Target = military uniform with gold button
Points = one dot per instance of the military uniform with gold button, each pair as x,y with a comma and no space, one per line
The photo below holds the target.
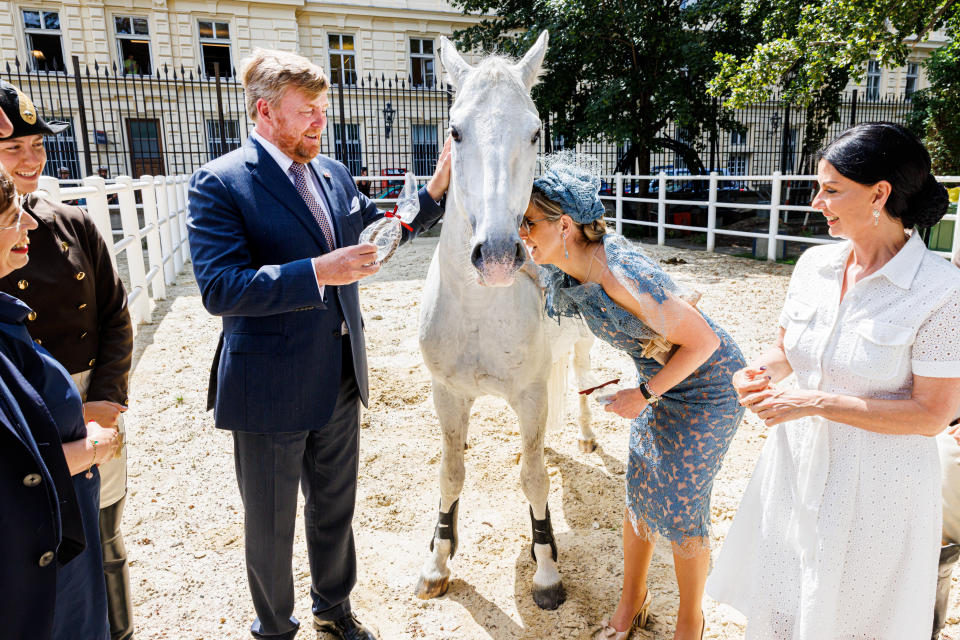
79,315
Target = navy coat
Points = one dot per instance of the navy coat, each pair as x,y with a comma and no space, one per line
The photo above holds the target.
39,511
252,238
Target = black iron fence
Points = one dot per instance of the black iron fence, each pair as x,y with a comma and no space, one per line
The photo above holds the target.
175,120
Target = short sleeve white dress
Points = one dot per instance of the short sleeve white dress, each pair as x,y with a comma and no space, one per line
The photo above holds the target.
838,533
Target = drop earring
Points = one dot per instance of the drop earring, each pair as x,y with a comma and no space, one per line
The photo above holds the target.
566,254
876,217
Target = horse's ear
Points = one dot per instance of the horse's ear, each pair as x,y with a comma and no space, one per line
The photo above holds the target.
529,67
453,62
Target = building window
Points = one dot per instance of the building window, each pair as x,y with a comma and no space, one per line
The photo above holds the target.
146,150
343,65
62,154
873,80
913,76
215,144
215,48
738,138
42,29
425,148
738,164
133,44
352,158
421,62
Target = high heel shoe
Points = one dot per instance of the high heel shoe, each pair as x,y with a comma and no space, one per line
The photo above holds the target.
607,632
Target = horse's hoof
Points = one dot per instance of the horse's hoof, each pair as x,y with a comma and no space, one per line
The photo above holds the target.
588,446
427,589
550,597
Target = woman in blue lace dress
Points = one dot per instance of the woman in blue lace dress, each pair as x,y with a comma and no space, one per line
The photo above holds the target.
685,411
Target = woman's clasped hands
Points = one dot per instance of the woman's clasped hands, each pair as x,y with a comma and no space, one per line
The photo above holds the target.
103,443
760,395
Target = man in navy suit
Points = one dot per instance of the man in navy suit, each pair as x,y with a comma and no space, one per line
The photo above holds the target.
273,235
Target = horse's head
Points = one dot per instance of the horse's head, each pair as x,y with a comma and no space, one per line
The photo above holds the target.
496,131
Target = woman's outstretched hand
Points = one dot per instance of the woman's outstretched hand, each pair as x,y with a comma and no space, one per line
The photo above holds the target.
750,380
774,406
627,403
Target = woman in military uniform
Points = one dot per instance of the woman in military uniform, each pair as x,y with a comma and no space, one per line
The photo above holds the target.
79,315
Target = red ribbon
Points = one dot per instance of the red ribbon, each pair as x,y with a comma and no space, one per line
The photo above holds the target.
587,392
393,214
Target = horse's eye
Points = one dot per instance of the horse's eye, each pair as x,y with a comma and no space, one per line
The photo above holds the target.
454,133
536,137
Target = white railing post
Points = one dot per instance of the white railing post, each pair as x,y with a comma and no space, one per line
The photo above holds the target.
712,213
51,185
138,296
154,247
174,220
662,208
163,219
99,212
774,229
182,218
618,185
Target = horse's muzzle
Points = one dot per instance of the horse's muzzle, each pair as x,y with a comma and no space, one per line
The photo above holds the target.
497,261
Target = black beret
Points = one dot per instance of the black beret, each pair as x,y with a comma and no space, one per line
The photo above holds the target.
23,115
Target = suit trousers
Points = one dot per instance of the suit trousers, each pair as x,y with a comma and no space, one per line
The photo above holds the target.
324,462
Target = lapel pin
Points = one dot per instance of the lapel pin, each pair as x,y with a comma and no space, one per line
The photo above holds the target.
326,174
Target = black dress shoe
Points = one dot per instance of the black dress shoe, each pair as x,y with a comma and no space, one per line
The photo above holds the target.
345,628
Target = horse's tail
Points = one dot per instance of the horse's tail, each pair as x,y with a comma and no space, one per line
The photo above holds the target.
557,391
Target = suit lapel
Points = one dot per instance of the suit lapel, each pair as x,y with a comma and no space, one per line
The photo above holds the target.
268,174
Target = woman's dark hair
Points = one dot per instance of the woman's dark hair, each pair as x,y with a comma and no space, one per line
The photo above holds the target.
875,151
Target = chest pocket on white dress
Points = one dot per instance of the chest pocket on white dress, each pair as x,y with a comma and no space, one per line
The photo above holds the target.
799,314
879,349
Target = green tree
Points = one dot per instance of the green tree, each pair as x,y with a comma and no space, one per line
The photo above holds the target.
619,70
936,114
809,48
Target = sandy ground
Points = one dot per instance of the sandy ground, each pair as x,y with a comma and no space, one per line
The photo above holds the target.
184,518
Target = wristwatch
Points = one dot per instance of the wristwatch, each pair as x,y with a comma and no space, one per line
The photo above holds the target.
650,396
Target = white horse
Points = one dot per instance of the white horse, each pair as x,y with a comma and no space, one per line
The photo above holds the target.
482,326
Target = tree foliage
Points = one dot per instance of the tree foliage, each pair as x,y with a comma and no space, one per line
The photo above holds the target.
936,114
622,69
810,48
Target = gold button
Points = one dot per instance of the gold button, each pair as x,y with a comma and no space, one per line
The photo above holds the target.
37,340
32,480
32,316
81,275
23,284
63,246
83,335
46,559
92,361
81,306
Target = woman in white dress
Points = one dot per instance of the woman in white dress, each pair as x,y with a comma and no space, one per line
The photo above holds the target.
838,533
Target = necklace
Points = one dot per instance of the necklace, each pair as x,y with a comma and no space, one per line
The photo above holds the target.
593,259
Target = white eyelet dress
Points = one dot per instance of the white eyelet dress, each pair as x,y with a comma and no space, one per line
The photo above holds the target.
838,533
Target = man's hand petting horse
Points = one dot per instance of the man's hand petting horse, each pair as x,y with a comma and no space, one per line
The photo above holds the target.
347,264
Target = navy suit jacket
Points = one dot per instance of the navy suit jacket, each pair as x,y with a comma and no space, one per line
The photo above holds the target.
39,511
252,238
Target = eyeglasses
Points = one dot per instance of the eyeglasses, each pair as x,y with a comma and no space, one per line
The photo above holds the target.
526,224
16,225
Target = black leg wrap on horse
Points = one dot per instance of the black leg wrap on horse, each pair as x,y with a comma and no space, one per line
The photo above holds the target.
543,533
447,527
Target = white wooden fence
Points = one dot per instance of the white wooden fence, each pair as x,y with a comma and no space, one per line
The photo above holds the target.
163,208
770,237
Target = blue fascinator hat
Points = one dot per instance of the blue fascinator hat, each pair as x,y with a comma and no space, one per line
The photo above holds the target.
573,182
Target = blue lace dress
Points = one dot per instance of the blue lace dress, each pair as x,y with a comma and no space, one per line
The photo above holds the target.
676,445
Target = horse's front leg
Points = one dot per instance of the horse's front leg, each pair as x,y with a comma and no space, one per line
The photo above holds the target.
581,366
531,407
453,411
